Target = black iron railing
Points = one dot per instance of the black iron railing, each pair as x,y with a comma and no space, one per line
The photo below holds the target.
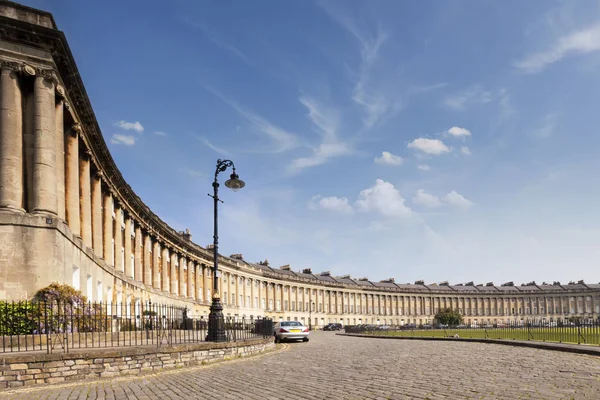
568,330
62,326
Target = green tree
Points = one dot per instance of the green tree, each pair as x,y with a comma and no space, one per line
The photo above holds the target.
449,316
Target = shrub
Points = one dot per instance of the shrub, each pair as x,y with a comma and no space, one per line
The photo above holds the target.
17,318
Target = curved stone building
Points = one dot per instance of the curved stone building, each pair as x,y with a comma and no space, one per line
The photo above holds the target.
67,215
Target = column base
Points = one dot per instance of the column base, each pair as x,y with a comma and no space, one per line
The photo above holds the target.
45,213
12,209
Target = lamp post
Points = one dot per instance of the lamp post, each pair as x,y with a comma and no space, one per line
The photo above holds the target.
216,322
312,303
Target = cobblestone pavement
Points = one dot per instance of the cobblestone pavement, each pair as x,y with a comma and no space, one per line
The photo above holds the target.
338,367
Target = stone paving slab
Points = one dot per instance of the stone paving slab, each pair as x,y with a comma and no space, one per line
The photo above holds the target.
342,367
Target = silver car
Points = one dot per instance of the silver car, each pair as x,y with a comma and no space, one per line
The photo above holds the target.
290,330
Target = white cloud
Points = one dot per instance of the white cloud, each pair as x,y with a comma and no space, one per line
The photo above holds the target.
456,199
130,126
425,199
383,198
465,150
474,95
459,132
579,42
160,133
424,167
429,146
337,204
123,139
389,159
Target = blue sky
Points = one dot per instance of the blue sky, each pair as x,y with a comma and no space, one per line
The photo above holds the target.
435,140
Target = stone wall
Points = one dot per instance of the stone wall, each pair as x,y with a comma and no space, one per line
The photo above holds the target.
18,370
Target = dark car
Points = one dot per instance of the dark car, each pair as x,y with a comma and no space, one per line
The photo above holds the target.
333,327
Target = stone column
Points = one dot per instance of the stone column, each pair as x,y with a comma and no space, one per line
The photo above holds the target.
72,180
11,143
44,148
227,298
267,288
174,283
108,229
182,290
204,284
190,280
85,199
137,257
97,213
198,276
237,292
165,269
147,259
156,265
118,238
60,156
128,227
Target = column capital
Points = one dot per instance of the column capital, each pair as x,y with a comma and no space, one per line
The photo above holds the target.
75,129
60,90
12,66
99,175
47,74
87,154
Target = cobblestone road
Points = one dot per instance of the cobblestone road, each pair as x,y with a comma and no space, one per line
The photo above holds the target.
338,367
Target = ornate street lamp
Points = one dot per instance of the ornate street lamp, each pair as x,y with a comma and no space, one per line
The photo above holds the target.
312,303
216,321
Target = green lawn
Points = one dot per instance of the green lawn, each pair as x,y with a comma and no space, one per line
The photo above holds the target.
583,335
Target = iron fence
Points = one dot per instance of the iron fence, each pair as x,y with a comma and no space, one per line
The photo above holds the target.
63,326
569,330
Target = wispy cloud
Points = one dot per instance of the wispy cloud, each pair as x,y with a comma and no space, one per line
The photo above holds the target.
126,140
193,173
130,126
204,28
326,121
474,95
424,167
578,42
214,148
370,40
281,139
389,159
465,150
546,127
506,108
160,133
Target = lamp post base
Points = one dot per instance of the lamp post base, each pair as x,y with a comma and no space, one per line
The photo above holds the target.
216,322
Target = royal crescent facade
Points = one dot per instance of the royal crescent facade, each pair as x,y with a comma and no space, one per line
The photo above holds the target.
67,215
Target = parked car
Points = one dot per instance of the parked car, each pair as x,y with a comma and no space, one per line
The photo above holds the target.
333,327
290,330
